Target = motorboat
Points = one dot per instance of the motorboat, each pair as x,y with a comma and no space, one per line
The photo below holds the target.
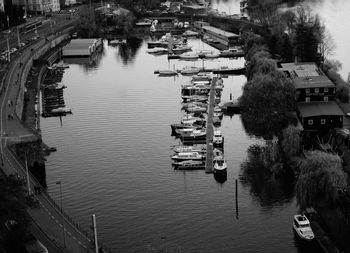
61,110
218,139
196,134
166,72
302,227
194,148
189,90
190,33
202,77
189,165
220,165
183,156
195,98
181,49
201,104
217,112
208,54
157,50
117,42
190,70
216,121
231,106
177,128
189,56
196,109
232,52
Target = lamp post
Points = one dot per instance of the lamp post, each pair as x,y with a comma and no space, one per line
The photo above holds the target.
63,230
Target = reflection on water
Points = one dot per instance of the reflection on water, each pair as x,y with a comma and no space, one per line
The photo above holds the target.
127,52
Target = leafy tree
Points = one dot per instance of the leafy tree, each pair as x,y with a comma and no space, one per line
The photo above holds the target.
265,105
321,176
291,142
261,63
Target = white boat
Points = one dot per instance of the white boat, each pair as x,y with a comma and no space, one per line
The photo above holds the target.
188,165
181,49
190,33
208,54
195,148
202,77
117,42
218,140
61,110
196,134
183,156
193,98
190,70
220,165
157,50
232,52
189,56
60,65
196,109
302,227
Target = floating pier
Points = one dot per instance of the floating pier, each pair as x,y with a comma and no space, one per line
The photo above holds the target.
226,55
210,129
222,71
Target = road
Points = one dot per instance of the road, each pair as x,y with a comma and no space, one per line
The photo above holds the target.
48,217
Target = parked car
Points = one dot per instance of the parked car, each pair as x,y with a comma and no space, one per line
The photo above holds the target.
33,245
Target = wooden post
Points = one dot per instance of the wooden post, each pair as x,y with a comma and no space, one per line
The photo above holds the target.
236,199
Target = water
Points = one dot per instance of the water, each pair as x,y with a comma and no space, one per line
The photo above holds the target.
334,13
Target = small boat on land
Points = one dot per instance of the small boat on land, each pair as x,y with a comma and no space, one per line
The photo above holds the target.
220,165
183,156
302,227
189,165
189,56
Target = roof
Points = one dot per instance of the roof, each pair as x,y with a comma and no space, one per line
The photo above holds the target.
301,69
319,109
313,82
219,31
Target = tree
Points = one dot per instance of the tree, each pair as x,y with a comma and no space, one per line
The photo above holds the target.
266,103
321,176
261,63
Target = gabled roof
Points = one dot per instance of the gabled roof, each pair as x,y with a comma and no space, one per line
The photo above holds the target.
301,69
312,82
320,109
219,31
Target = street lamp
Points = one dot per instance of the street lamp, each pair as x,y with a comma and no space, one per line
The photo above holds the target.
63,230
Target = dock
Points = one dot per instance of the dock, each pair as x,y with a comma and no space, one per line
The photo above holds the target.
221,71
210,129
227,55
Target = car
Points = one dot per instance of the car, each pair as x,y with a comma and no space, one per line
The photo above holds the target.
33,245
348,114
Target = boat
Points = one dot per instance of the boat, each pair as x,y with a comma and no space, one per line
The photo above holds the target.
190,70
217,112
157,50
195,98
177,128
208,54
59,65
189,165
220,165
302,227
195,134
196,109
189,56
216,121
190,33
181,49
183,156
166,72
202,77
61,110
117,42
232,52
144,22
229,71
218,139
231,106
194,148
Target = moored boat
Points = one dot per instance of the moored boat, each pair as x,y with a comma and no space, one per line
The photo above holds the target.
189,56
183,156
218,139
166,72
189,165
157,50
220,165
194,148
190,70
302,227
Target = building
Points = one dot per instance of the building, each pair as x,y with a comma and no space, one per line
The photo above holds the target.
39,6
315,95
197,25
194,9
220,36
320,115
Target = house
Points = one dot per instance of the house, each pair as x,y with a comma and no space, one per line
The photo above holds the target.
218,35
315,94
320,116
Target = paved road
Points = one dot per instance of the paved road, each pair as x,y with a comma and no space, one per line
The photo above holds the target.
48,216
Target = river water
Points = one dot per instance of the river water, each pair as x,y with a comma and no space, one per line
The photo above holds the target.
113,160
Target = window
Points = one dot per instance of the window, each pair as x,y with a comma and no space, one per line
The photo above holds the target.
316,90
325,90
310,122
325,99
323,121
307,99
307,91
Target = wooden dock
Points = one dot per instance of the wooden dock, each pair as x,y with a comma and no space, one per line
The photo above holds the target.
210,128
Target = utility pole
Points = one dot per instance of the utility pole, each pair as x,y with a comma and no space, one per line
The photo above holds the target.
95,232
